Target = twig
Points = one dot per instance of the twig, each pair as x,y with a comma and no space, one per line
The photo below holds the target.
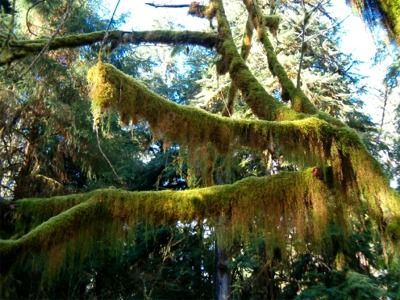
307,17
378,137
104,155
325,30
108,27
26,17
168,5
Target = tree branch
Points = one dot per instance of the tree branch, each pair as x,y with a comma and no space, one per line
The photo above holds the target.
168,5
242,201
245,51
307,141
299,100
64,18
22,48
192,126
263,105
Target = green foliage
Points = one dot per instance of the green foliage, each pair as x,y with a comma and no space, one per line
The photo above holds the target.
159,262
297,234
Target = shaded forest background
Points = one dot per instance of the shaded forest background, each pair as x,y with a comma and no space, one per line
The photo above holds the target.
201,225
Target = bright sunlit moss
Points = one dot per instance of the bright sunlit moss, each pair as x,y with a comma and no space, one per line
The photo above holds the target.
308,141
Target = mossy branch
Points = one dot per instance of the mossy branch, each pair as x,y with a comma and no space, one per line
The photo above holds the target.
378,12
113,90
299,100
247,204
307,141
297,199
391,13
17,49
245,52
263,105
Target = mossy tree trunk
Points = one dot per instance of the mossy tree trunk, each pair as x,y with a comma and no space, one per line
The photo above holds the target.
349,185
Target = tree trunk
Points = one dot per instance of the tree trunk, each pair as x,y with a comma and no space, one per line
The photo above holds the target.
23,181
222,274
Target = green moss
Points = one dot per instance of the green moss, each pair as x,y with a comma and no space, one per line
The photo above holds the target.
393,230
391,12
272,22
22,48
285,194
251,206
112,90
307,141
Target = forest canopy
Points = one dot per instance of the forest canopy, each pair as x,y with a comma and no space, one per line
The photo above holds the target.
230,162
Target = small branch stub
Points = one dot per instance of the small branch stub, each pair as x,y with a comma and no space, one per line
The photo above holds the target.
202,11
317,173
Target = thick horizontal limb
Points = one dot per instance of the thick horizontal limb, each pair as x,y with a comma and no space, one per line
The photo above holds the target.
112,89
21,48
247,204
255,204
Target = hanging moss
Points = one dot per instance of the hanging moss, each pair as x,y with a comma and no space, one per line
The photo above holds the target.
40,210
272,22
393,229
112,90
297,199
202,11
247,205
308,141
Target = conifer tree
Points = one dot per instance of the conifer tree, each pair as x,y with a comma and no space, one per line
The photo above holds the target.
337,192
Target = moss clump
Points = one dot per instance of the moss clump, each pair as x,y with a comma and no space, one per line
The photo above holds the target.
272,22
202,11
393,230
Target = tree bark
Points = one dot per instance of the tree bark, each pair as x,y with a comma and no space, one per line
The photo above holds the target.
222,274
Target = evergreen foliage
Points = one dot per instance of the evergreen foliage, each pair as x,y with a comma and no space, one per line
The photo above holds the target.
115,186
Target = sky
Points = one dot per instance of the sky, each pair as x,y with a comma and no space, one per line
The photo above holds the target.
143,16
356,40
